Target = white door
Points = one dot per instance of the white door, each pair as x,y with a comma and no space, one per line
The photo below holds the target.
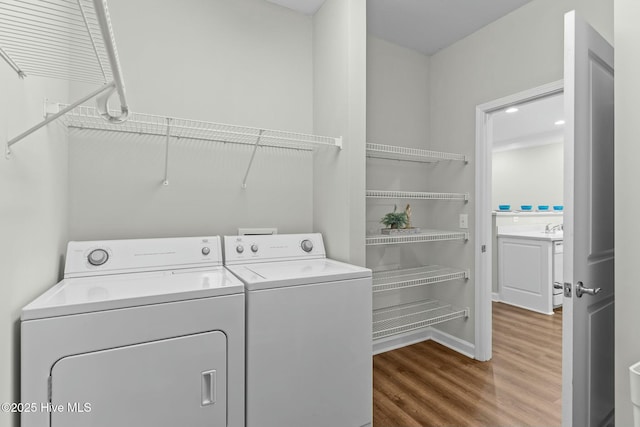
587,367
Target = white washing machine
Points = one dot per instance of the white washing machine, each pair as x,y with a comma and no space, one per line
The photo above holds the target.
308,332
140,333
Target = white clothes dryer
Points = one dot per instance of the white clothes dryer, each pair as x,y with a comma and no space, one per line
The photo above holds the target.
140,333
309,332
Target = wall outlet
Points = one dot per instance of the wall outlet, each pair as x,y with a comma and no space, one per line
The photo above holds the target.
464,221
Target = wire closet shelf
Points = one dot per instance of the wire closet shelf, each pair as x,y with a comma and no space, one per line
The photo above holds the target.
84,117
409,317
393,152
89,118
390,280
424,236
63,39
416,195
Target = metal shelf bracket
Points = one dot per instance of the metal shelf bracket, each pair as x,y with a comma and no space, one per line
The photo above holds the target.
51,117
253,155
165,182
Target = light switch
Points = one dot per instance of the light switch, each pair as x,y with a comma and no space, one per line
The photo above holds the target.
464,221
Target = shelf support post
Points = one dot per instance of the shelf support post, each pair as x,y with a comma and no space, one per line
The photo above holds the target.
253,155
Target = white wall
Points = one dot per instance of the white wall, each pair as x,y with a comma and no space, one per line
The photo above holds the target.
33,208
397,95
246,62
517,52
339,55
528,176
627,203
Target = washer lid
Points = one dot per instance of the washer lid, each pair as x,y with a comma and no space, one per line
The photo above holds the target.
294,273
89,294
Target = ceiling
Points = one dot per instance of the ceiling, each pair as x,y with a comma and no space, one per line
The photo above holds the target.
423,25
533,124
431,25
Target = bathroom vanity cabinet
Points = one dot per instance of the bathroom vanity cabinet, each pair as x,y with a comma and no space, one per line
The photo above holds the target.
529,265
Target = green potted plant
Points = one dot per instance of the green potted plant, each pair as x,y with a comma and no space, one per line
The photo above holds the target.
395,220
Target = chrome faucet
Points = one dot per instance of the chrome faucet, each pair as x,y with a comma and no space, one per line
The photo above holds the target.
550,228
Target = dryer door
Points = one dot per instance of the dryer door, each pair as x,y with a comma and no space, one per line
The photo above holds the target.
171,382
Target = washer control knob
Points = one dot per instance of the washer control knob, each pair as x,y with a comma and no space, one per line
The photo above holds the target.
206,251
239,249
98,257
306,245
254,248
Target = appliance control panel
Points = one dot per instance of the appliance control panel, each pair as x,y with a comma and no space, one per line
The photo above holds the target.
95,258
273,247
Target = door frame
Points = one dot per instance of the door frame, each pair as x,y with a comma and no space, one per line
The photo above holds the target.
483,212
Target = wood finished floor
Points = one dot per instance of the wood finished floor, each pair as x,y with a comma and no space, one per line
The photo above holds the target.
428,385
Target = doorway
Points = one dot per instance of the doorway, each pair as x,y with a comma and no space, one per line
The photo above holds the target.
527,203
485,205
518,138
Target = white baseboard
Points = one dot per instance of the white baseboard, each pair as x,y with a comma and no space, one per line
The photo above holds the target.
447,340
495,296
454,343
398,341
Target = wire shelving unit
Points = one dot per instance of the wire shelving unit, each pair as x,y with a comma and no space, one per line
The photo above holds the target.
405,317
64,39
422,237
393,152
410,317
416,195
391,280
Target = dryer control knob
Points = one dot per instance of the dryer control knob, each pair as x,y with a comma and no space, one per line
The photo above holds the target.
98,257
239,249
206,251
254,248
306,245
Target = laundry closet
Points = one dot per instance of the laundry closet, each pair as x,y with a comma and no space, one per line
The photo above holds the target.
297,82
